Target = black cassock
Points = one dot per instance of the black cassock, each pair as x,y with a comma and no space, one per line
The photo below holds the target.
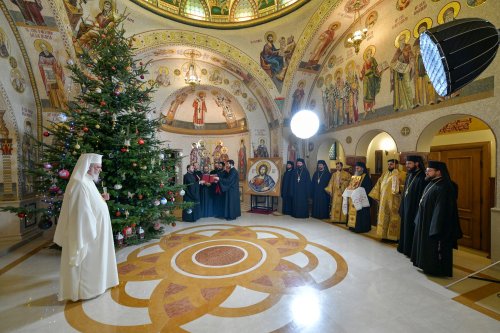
217,195
436,229
206,202
320,198
414,187
192,195
363,220
286,192
230,185
301,186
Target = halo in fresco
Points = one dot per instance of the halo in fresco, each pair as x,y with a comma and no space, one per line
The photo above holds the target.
192,272
407,35
426,21
371,19
4,44
402,4
371,48
475,3
450,6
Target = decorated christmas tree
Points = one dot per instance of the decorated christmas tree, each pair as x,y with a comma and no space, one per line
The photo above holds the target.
111,116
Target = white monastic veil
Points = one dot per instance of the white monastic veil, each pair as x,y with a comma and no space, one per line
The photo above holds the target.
65,234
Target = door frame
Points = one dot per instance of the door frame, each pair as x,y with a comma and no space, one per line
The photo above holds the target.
485,147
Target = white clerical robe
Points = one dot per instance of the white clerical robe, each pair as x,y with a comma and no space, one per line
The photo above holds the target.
88,262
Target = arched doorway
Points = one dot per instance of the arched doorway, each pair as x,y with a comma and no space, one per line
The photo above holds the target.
331,151
467,145
378,146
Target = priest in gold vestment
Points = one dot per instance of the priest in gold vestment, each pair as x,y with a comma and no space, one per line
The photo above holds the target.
338,183
387,192
358,220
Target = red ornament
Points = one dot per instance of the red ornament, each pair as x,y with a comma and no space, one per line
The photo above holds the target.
113,68
46,134
170,192
64,174
118,213
161,185
21,215
142,77
140,63
140,141
124,150
85,129
174,224
103,36
140,196
103,103
133,225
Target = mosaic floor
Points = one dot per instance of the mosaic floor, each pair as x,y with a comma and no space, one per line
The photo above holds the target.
259,274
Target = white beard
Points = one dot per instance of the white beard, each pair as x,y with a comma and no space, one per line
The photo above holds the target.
358,173
95,177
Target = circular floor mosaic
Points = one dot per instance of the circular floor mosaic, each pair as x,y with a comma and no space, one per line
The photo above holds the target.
196,270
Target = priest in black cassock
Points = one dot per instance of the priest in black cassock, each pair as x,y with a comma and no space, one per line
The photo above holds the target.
359,220
286,190
301,187
230,185
437,228
192,194
206,202
320,198
218,196
414,187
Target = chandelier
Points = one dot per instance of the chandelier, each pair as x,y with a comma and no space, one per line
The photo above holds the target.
359,35
192,77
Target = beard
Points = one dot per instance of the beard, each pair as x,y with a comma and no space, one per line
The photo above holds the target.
358,173
429,178
413,169
95,176
390,169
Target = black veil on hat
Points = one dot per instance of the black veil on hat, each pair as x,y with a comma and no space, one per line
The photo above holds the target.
416,158
322,162
301,160
362,165
441,166
291,163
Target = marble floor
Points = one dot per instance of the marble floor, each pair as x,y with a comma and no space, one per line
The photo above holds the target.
259,273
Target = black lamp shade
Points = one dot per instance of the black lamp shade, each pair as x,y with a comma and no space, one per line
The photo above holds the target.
455,53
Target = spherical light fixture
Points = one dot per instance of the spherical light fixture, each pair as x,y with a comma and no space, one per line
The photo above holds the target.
304,124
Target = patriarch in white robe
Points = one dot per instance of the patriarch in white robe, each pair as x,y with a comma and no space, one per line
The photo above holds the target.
88,262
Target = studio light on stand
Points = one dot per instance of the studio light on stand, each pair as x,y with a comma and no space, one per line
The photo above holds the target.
455,53
304,124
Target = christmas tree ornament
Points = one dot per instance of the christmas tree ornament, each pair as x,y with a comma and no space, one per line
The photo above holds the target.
161,185
119,239
45,223
77,146
97,126
98,90
130,195
163,201
134,164
140,232
103,103
161,156
47,166
118,186
118,213
189,211
21,215
124,150
127,143
140,141
74,152
182,192
156,202
46,134
85,129
127,232
174,224
127,214
157,226
144,167
140,196
64,174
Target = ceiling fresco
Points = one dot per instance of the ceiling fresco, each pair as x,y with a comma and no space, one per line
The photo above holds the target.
222,14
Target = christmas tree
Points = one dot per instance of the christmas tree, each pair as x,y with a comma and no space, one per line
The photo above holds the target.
111,116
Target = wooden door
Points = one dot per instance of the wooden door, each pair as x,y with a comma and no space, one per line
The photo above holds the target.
466,164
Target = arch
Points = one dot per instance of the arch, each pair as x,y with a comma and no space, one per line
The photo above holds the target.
424,141
258,80
365,140
324,148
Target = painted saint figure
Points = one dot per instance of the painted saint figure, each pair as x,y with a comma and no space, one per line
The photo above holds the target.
297,97
371,77
52,74
242,160
200,108
271,60
402,72
262,182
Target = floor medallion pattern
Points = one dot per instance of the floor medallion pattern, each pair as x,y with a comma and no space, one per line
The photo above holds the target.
202,271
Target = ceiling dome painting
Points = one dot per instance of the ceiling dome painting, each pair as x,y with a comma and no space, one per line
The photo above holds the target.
204,110
222,14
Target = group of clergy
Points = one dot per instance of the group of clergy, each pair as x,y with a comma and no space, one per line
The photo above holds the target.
417,208
216,196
